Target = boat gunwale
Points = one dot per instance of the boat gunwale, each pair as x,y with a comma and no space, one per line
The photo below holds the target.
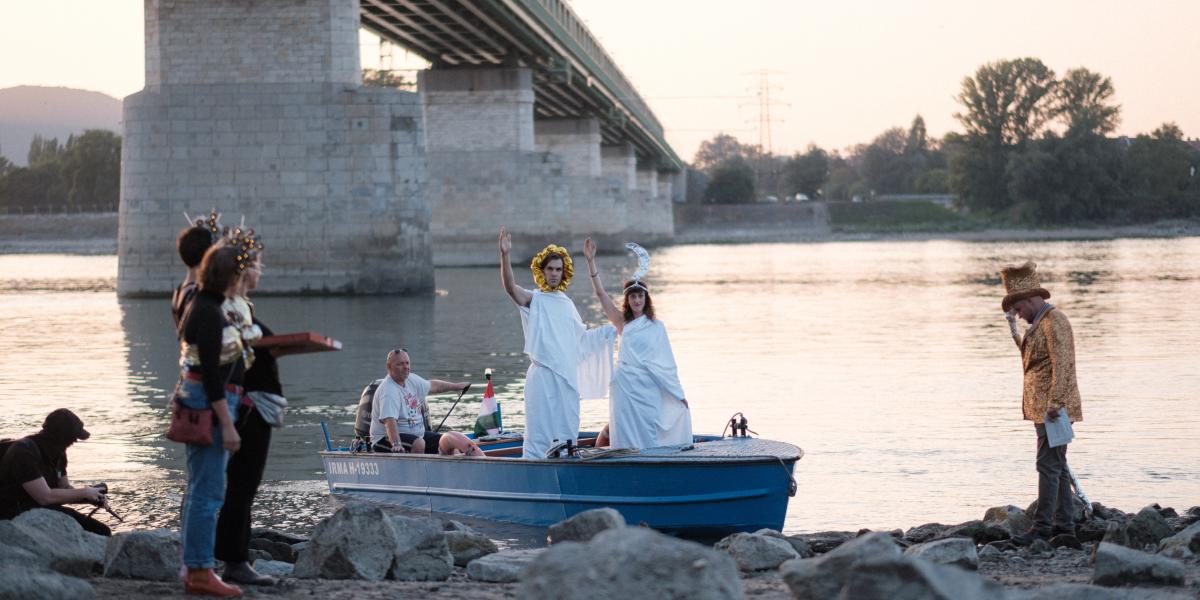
750,459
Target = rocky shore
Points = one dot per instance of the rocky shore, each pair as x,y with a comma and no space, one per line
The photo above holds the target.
362,552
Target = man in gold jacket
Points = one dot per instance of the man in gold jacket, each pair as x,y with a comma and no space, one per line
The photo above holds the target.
1050,388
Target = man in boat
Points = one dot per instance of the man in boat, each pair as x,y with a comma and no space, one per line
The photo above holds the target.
567,361
33,473
1049,391
399,413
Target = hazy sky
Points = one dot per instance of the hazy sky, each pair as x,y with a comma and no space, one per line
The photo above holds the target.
841,72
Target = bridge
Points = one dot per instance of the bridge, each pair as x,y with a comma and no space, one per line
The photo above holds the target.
573,75
258,109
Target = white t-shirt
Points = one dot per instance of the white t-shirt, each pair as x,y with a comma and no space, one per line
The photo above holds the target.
405,403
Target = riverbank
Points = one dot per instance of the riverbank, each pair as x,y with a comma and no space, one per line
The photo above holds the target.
95,234
976,554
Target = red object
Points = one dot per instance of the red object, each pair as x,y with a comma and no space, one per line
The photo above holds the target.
297,343
204,582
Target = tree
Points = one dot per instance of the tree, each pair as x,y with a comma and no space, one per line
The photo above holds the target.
732,182
1084,99
720,149
91,169
806,173
918,138
42,150
1007,102
884,167
1159,174
1067,179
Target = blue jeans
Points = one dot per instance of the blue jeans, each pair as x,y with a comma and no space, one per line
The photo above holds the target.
206,484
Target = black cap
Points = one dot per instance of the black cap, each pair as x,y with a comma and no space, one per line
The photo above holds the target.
62,424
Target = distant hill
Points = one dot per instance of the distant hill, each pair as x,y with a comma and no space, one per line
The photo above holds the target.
58,112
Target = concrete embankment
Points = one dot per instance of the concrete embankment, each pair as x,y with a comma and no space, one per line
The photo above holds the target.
82,233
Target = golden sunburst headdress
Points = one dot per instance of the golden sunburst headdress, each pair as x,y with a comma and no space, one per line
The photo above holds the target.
248,246
540,278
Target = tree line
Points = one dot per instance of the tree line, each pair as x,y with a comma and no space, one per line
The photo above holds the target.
84,174
1035,148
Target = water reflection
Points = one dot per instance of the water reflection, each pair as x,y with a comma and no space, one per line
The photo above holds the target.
889,362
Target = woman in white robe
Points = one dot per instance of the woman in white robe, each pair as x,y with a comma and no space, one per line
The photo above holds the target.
647,405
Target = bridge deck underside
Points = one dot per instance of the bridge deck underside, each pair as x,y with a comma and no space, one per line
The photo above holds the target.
484,33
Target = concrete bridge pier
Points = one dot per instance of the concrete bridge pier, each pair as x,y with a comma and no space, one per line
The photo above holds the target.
257,109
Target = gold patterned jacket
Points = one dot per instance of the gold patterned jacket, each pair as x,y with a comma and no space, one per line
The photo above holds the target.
1048,356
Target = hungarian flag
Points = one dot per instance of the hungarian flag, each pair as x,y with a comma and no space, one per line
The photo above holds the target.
488,422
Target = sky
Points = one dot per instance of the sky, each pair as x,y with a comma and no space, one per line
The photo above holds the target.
838,73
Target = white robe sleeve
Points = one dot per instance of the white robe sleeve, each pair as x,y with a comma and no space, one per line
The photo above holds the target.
595,361
661,364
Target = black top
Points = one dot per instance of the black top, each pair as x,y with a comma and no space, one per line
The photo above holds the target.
263,375
203,325
180,299
27,459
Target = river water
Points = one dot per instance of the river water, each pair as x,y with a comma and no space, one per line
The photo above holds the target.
889,363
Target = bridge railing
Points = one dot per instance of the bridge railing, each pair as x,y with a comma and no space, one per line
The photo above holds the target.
570,31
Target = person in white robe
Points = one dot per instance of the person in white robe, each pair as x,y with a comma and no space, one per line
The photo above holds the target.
567,361
647,405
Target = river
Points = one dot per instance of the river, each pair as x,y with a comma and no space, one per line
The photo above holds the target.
889,363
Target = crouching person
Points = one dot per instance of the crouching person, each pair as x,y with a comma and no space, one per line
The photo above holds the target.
400,414
33,473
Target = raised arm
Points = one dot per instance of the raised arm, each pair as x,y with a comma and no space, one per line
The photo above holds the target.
610,309
507,281
437,386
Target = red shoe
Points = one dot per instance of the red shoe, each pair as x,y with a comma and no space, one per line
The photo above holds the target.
204,582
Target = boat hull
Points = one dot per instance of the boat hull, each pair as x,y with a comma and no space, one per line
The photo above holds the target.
719,491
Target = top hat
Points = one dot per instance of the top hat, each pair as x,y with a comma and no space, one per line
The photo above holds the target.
1020,283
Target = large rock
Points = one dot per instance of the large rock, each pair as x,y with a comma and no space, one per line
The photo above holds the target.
824,576
910,578
57,540
1147,528
466,546
977,530
278,550
1118,565
631,562
421,550
924,533
152,555
275,535
1009,518
502,567
21,583
823,541
803,550
357,542
959,552
757,552
1078,509
585,525
274,568
1184,544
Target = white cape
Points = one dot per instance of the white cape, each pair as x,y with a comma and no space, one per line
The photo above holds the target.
567,361
646,405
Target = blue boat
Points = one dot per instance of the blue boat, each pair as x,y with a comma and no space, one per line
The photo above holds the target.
713,487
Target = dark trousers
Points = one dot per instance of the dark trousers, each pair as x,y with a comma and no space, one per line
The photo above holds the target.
242,477
88,523
1055,506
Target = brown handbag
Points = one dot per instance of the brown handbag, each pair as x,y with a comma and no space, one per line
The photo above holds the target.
190,425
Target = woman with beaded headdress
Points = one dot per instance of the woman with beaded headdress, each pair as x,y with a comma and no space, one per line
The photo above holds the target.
213,359
567,361
245,469
647,406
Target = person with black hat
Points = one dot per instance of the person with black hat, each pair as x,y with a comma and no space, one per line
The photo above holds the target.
33,473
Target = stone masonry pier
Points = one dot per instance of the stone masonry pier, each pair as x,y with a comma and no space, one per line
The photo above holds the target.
257,109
